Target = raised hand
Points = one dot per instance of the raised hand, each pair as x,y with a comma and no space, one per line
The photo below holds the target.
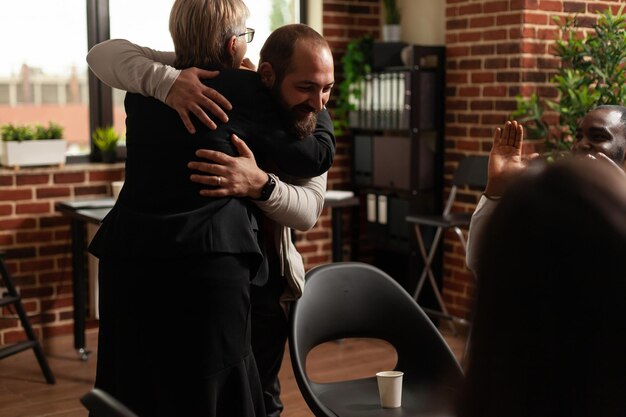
189,95
505,159
237,176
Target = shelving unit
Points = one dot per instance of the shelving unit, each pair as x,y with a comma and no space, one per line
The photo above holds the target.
398,133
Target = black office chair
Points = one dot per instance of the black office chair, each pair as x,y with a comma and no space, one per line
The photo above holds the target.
101,404
472,171
352,299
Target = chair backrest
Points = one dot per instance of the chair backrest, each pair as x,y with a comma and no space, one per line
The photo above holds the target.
352,299
101,404
472,171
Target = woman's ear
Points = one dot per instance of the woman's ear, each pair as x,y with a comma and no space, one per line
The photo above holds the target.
231,46
268,76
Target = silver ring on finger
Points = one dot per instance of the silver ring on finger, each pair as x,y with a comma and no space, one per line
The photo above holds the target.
219,181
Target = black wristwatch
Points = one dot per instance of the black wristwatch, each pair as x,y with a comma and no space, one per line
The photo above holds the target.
267,189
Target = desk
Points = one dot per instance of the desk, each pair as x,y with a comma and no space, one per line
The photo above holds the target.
336,201
80,213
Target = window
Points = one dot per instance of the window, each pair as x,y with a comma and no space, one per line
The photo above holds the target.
267,15
43,73
153,31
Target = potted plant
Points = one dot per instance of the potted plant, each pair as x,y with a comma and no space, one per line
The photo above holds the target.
32,145
356,64
391,28
105,139
592,72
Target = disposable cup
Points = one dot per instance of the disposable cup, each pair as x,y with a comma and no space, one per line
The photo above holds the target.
390,388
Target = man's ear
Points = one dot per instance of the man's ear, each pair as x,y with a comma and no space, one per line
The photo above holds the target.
268,76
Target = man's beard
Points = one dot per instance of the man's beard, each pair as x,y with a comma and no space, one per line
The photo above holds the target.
300,126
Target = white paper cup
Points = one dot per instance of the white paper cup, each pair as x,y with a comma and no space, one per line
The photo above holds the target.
390,388
116,187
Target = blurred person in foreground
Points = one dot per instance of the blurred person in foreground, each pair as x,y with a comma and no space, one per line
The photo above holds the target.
600,135
550,317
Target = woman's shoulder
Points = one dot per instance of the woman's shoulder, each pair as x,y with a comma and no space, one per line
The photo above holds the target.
236,77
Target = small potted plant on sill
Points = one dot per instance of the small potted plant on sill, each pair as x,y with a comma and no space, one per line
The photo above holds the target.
105,139
391,28
32,145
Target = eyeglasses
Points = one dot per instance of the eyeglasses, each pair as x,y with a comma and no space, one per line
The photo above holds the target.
249,34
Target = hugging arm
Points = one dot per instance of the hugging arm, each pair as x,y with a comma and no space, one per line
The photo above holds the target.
126,66
297,204
306,157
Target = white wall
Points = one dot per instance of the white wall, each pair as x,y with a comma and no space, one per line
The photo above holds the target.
423,21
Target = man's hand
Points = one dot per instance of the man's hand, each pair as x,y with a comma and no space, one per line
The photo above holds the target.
189,95
233,176
505,159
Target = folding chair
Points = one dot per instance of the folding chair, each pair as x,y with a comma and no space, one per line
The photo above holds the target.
13,298
472,171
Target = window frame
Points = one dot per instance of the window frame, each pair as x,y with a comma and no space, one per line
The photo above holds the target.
100,94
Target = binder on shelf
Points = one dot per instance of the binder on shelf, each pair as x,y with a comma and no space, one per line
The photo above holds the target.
371,208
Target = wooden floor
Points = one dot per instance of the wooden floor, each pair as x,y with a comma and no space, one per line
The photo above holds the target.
24,393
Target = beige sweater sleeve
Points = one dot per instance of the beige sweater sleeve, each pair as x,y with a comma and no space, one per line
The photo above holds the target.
126,66
297,204
481,216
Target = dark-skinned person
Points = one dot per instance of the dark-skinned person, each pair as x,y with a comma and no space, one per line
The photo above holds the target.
601,135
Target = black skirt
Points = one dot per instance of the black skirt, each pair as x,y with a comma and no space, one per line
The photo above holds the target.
174,337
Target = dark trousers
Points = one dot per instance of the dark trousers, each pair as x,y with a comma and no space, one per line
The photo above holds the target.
269,336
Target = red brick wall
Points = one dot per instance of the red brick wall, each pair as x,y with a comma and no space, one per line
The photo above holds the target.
343,20
496,49
37,241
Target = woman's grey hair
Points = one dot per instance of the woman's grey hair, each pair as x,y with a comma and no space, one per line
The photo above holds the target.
201,29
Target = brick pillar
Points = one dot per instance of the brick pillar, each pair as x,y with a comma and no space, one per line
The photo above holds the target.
496,50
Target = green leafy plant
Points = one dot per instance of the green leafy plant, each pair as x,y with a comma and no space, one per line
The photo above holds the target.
357,63
392,13
54,131
591,73
105,139
18,133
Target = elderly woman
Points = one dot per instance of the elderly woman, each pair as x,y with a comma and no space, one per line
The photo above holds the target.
175,267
